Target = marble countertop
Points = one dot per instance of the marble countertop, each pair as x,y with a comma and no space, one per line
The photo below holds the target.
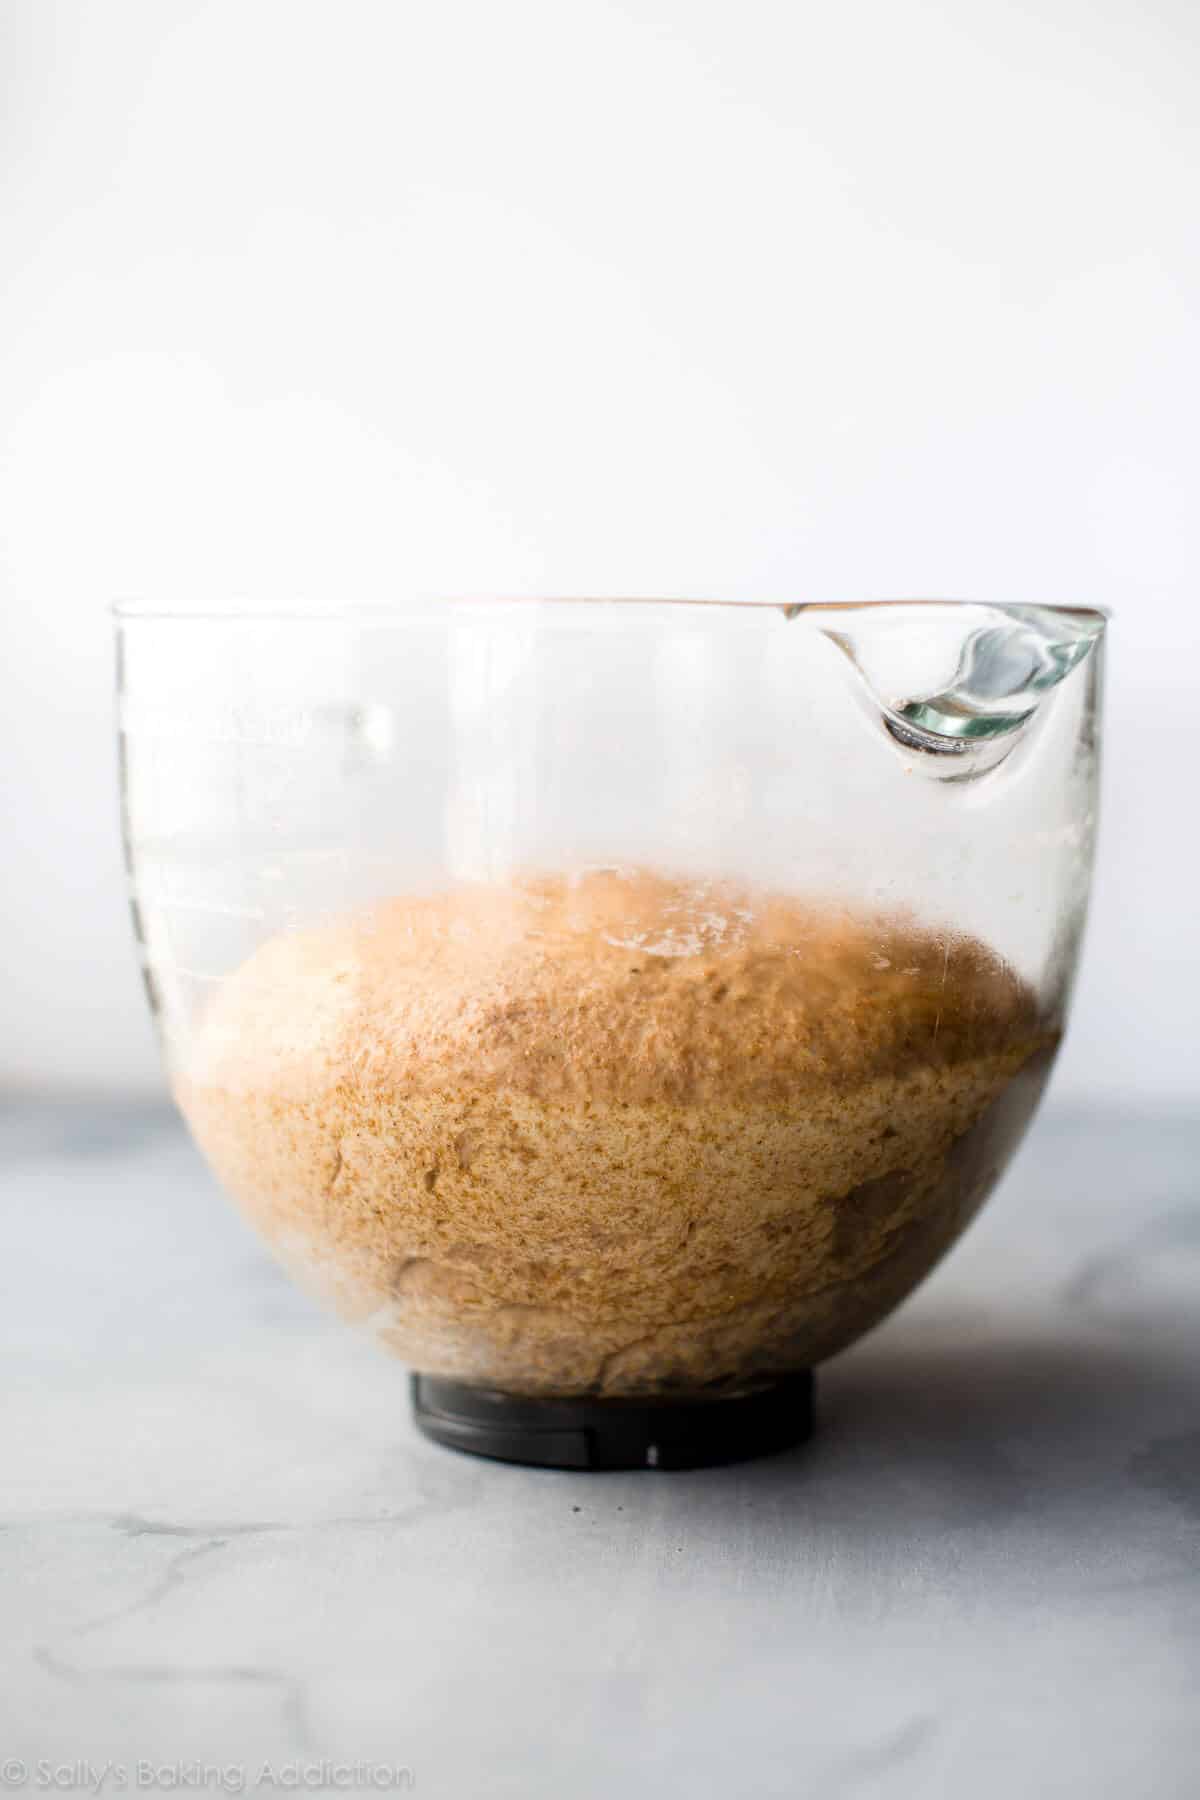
228,1561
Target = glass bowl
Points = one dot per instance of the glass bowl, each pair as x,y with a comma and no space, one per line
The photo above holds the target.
615,1007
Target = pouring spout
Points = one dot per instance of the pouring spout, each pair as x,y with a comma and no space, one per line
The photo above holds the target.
952,678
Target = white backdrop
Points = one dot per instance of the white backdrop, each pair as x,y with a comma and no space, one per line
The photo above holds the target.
765,298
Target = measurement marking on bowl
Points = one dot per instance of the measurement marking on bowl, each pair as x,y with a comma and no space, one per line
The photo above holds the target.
211,906
182,969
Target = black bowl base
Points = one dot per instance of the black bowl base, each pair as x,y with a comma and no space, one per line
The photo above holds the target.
615,1434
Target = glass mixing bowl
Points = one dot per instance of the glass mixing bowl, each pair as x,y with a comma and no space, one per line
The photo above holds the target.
616,1007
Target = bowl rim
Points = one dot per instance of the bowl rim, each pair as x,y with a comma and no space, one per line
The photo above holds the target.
425,609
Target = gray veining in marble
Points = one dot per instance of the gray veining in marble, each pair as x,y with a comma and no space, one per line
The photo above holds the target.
221,1540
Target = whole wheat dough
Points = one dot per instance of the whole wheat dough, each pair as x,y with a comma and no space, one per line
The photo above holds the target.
613,1134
